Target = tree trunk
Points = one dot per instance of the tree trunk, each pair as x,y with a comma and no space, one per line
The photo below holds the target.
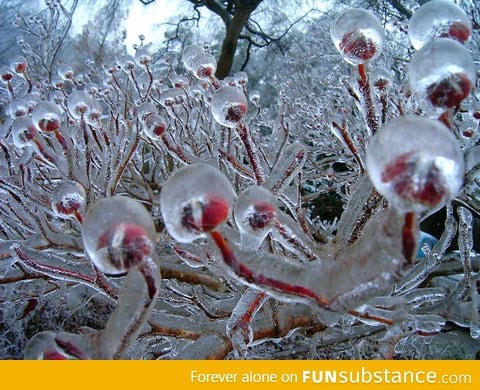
229,47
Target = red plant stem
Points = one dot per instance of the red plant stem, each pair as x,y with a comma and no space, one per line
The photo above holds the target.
364,84
247,274
409,243
349,142
251,153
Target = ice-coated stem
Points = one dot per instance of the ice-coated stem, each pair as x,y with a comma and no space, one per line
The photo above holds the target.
369,106
359,271
137,297
252,152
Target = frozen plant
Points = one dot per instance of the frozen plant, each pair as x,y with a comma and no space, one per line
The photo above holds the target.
198,212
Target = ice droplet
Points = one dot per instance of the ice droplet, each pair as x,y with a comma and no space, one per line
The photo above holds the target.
441,75
118,233
415,163
358,36
254,212
229,106
194,201
439,19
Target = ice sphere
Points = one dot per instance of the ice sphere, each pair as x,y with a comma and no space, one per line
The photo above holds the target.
47,116
18,108
118,233
381,79
203,65
441,75
172,97
144,109
358,36
415,163
79,104
19,64
154,125
23,132
65,72
254,212
229,106
439,19
190,52
68,199
194,201
143,56
6,74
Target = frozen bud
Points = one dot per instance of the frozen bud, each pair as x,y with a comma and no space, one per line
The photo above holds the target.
143,56
439,19
65,72
203,66
6,74
415,163
189,53
241,78
79,104
19,64
229,106
118,234
441,74
254,96
154,125
172,97
68,199
358,36
381,79
23,132
47,116
195,201
18,108
255,211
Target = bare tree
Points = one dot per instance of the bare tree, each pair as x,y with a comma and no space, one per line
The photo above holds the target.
240,25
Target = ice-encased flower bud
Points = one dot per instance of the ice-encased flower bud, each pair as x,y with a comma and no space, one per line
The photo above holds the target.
195,201
358,36
118,234
68,199
229,105
254,212
47,116
415,163
79,104
23,132
203,65
441,74
439,19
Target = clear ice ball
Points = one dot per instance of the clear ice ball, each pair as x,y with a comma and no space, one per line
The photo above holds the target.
47,116
439,19
190,52
415,163
203,65
118,234
79,104
195,200
229,105
155,125
23,132
255,211
441,74
358,36
68,199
